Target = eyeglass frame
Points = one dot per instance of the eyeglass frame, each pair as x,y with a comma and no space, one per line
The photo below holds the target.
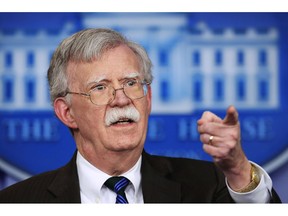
143,83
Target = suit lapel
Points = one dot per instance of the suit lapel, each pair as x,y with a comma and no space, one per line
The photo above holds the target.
65,186
156,187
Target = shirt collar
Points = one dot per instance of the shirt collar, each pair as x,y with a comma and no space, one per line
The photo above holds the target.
91,179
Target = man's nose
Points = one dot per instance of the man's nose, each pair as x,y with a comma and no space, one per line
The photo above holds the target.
120,98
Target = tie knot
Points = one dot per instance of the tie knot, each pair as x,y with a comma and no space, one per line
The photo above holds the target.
117,183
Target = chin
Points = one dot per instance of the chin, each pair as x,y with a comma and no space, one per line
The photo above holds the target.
125,144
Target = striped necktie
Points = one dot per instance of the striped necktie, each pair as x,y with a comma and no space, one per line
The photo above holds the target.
118,184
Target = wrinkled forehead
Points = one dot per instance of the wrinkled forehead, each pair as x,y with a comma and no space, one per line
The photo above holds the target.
82,74
111,80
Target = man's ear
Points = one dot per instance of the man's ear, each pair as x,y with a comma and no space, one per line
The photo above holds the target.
63,112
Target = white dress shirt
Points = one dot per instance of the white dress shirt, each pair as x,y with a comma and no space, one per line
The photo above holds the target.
93,190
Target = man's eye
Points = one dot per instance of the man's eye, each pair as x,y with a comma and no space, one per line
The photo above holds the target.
131,83
99,88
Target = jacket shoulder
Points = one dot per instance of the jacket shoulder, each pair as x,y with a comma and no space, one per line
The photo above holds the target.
25,190
60,185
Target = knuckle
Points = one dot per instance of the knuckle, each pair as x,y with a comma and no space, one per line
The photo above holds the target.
206,114
202,138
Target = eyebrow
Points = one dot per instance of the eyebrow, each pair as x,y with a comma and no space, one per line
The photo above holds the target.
103,77
99,79
133,75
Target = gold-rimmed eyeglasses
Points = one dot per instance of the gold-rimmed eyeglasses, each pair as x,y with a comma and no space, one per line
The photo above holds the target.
103,94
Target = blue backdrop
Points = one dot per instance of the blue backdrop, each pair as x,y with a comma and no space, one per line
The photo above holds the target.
201,61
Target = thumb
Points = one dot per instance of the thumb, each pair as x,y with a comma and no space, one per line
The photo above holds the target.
231,117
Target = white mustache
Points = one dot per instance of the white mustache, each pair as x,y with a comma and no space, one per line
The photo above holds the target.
115,114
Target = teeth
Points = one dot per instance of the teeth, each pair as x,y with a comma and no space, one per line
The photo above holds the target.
123,121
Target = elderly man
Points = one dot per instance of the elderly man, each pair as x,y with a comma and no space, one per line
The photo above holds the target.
100,89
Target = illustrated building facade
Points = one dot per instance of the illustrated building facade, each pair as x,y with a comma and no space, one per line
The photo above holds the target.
194,67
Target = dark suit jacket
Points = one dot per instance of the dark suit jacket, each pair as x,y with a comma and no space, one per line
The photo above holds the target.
164,180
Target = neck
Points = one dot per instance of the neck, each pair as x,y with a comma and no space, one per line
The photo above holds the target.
113,163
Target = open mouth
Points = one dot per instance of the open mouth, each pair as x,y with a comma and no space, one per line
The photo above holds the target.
123,121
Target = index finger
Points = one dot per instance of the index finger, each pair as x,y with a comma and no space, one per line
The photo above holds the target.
231,117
